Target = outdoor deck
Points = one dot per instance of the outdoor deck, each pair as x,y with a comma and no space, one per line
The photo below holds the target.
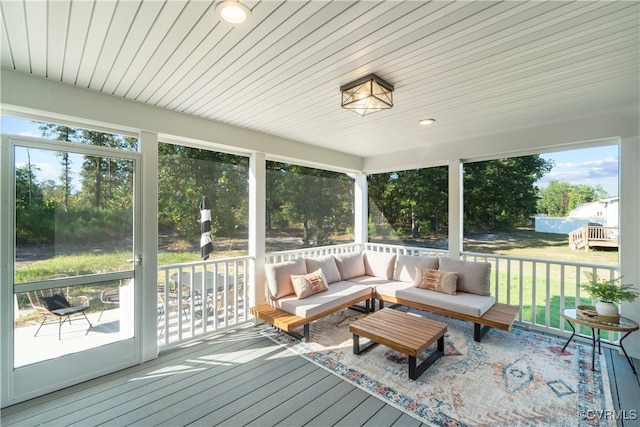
594,237
241,378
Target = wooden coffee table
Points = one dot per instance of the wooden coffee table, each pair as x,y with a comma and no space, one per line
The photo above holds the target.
406,333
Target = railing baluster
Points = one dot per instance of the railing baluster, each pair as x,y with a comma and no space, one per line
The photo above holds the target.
547,310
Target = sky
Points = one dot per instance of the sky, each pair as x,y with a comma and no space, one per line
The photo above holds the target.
592,166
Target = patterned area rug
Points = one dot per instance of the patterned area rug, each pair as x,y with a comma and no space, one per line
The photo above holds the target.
515,378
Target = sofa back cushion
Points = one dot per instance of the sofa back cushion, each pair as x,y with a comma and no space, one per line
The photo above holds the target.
473,277
350,265
379,264
328,266
406,268
279,276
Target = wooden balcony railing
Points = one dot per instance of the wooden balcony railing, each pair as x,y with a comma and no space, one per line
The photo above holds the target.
590,236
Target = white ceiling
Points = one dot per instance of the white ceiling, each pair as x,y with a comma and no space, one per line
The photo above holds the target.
479,68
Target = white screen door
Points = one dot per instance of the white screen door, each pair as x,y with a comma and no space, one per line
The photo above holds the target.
73,281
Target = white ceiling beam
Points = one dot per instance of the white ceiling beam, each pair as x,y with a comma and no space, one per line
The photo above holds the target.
24,93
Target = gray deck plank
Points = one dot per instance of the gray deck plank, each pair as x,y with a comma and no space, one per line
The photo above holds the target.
306,391
216,412
407,421
256,384
198,399
362,413
70,403
261,401
340,409
124,398
255,411
316,404
386,416
628,392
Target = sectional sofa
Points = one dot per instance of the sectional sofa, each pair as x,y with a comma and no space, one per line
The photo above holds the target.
306,289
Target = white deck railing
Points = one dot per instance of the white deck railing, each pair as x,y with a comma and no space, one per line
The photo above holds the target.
200,297
541,288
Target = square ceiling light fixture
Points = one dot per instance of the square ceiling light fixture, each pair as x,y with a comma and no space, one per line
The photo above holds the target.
367,95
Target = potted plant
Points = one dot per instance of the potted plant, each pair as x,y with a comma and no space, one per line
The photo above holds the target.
608,292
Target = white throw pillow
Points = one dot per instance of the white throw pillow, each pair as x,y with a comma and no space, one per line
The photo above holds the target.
309,284
406,268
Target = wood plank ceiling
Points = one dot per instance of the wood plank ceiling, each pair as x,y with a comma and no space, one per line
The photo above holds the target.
478,68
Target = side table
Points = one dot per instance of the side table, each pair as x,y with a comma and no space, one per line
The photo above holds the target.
625,325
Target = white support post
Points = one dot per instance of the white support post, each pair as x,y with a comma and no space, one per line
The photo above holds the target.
361,216
629,192
456,206
147,287
7,212
257,231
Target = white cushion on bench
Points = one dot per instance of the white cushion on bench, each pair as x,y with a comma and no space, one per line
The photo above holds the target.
464,303
350,265
473,277
379,264
338,293
279,276
328,266
406,268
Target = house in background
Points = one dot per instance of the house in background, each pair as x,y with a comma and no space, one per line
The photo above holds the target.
603,212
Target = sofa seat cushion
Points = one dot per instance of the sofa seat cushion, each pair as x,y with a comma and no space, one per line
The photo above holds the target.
406,267
338,294
463,303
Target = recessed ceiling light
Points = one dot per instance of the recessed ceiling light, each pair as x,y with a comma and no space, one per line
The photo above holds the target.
233,11
427,121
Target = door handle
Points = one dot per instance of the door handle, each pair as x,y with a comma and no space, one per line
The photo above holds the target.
137,260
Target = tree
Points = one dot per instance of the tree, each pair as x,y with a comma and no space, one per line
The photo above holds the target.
321,201
500,194
186,174
105,181
28,192
559,198
62,133
415,199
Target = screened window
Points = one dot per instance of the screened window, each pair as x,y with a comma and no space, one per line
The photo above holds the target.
307,207
409,207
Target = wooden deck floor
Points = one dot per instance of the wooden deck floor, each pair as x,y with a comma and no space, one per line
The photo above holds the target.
240,378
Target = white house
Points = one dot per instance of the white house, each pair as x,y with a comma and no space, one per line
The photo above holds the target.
604,212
